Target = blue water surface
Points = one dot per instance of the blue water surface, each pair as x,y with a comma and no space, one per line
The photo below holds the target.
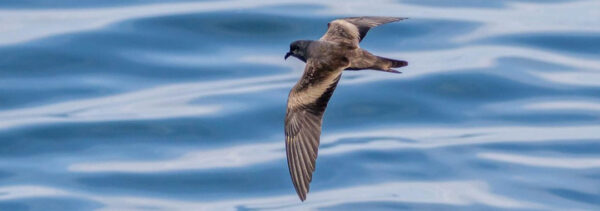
179,105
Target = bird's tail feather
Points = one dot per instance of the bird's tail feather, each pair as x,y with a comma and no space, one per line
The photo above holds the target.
386,64
394,63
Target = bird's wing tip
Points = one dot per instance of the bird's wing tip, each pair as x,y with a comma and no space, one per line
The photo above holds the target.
302,196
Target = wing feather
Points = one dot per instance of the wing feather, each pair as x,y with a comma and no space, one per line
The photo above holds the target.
306,106
350,31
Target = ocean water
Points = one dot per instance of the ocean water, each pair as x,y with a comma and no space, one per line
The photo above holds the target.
179,105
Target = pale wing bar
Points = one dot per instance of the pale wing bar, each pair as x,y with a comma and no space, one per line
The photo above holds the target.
363,24
350,31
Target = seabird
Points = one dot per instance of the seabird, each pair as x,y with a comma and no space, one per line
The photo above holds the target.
325,60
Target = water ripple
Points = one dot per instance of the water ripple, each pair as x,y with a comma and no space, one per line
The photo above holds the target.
178,105
461,193
553,162
243,156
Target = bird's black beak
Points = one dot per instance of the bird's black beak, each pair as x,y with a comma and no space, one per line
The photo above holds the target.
287,55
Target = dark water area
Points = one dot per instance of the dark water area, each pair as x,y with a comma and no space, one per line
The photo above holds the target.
179,105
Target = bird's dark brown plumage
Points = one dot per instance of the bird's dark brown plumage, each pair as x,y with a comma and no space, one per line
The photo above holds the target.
325,59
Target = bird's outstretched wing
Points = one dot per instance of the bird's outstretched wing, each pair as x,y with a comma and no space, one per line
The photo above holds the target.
350,31
306,104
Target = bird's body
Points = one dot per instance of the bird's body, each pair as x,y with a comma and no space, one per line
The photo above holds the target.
326,59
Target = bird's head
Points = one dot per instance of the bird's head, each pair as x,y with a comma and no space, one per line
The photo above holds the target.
298,49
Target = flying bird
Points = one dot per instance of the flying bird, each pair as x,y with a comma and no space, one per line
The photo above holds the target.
325,60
